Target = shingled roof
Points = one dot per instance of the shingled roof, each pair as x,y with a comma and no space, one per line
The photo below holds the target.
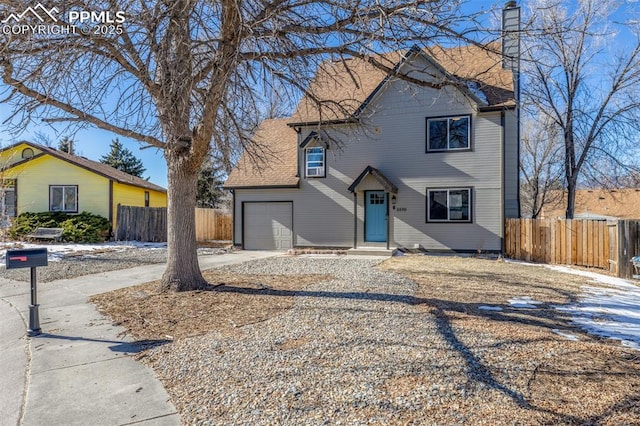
345,87
355,81
622,203
278,165
480,66
94,166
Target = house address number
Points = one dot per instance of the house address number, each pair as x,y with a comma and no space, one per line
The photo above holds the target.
401,209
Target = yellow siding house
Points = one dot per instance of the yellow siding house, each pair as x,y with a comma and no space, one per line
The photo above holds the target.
37,178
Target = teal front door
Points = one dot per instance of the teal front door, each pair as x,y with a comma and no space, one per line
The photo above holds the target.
375,216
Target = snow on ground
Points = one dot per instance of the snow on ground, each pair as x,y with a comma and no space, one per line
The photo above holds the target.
612,312
567,336
523,302
490,308
57,251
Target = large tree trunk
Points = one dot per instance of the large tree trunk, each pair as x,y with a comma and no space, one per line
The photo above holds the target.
571,198
183,272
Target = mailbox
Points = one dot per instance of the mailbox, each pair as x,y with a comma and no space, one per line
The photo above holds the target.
29,258
26,258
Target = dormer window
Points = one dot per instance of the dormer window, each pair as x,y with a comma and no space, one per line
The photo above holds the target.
314,162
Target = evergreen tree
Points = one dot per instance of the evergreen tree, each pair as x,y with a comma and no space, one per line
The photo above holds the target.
66,145
210,190
123,159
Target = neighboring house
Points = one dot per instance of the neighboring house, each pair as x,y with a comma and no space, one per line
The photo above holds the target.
38,178
621,203
387,163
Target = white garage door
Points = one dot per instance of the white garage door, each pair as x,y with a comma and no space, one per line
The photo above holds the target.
267,226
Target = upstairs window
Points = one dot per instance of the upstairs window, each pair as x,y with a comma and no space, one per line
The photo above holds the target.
63,198
448,133
449,205
314,162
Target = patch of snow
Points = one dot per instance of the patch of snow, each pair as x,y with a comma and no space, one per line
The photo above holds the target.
611,312
74,247
57,252
524,302
490,308
566,335
523,263
613,281
475,89
138,244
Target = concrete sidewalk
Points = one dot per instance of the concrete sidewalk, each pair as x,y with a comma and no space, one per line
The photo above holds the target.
79,371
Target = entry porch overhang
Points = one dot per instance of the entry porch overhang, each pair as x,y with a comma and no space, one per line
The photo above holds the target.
362,184
386,184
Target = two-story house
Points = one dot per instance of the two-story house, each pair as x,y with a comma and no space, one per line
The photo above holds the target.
385,162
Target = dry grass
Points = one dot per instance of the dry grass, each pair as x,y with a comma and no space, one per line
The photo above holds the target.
549,379
516,370
150,315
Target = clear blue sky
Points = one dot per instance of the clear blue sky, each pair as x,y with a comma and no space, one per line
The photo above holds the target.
93,143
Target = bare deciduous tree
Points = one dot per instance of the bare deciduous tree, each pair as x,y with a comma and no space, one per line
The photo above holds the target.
587,85
179,75
541,165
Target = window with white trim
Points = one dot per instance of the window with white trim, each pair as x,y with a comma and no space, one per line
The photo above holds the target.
449,205
448,133
63,198
314,162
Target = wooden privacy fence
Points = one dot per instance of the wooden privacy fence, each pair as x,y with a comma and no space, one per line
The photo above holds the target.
212,224
594,243
628,246
150,224
147,224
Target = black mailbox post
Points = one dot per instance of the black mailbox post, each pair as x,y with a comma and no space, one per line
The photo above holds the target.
29,258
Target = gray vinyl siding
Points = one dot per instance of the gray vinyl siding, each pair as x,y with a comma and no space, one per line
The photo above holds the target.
392,139
313,212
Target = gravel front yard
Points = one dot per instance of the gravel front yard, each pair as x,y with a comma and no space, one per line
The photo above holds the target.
415,340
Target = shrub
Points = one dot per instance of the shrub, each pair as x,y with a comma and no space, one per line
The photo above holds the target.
77,228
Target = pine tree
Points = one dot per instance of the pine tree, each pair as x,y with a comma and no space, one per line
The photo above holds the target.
66,145
123,159
210,192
